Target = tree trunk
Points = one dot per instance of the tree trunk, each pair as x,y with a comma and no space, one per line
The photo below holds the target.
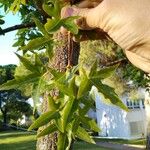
147,109
4,114
60,62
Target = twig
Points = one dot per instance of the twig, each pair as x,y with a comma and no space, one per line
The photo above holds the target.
16,27
115,62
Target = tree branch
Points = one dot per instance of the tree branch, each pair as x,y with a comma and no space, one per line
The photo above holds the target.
116,62
16,27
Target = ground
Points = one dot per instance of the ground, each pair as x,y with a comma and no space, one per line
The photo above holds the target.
14,140
17,140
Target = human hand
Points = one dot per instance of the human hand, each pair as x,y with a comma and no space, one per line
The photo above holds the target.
126,22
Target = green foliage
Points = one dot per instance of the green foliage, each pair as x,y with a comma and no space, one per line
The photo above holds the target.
12,103
66,115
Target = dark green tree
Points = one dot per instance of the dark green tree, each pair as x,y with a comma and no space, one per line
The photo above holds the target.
12,103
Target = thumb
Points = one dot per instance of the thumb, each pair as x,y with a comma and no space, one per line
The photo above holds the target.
86,20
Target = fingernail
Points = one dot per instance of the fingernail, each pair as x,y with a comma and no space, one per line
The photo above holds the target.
70,11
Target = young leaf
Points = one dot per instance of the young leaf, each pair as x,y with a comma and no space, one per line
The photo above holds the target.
53,9
104,73
66,112
93,69
70,25
73,88
15,6
53,25
38,90
27,64
13,84
44,119
83,135
49,50
61,144
48,130
85,85
40,26
52,105
36,43
109,93
69,135
64,88
57,74
90,123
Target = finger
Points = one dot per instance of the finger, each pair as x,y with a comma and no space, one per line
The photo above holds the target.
88,22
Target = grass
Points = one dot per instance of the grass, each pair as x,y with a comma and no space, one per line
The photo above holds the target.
17,141
86,146
122,141
14,140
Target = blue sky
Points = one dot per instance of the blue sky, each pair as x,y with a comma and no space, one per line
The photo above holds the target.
7,55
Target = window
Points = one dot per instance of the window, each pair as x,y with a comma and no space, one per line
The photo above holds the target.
133,104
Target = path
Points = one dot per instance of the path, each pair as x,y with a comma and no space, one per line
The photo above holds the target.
117,146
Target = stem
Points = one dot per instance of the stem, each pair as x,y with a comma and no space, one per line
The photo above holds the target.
115,62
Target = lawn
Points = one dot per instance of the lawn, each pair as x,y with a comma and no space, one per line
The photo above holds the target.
122,141
14,140
17,141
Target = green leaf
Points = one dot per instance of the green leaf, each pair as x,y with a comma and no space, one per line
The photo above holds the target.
27,64
109,93
61,144
57,74
90,123
38,90
23,2
93,69
83,135
37,43
48,130
69,135
40,26
52,9
15,6
75,124
49,50
63,88
2,21
52,104
53,25
73,88
13,84
85,84
48,9
44,119
66,112
70,25
104,73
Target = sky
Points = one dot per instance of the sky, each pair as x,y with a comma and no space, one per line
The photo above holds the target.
7,55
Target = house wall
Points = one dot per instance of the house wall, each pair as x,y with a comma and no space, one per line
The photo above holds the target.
115,122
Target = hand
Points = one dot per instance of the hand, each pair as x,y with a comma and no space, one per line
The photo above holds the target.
126,22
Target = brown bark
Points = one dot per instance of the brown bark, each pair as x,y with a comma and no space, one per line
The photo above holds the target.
60,63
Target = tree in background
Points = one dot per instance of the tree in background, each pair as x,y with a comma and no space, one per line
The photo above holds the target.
13,104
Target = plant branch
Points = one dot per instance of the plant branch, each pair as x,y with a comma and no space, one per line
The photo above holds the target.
16,27
115,62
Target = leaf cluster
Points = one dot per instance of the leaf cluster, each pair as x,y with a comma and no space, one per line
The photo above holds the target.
68,110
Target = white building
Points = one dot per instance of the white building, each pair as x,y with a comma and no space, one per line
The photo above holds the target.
115,122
